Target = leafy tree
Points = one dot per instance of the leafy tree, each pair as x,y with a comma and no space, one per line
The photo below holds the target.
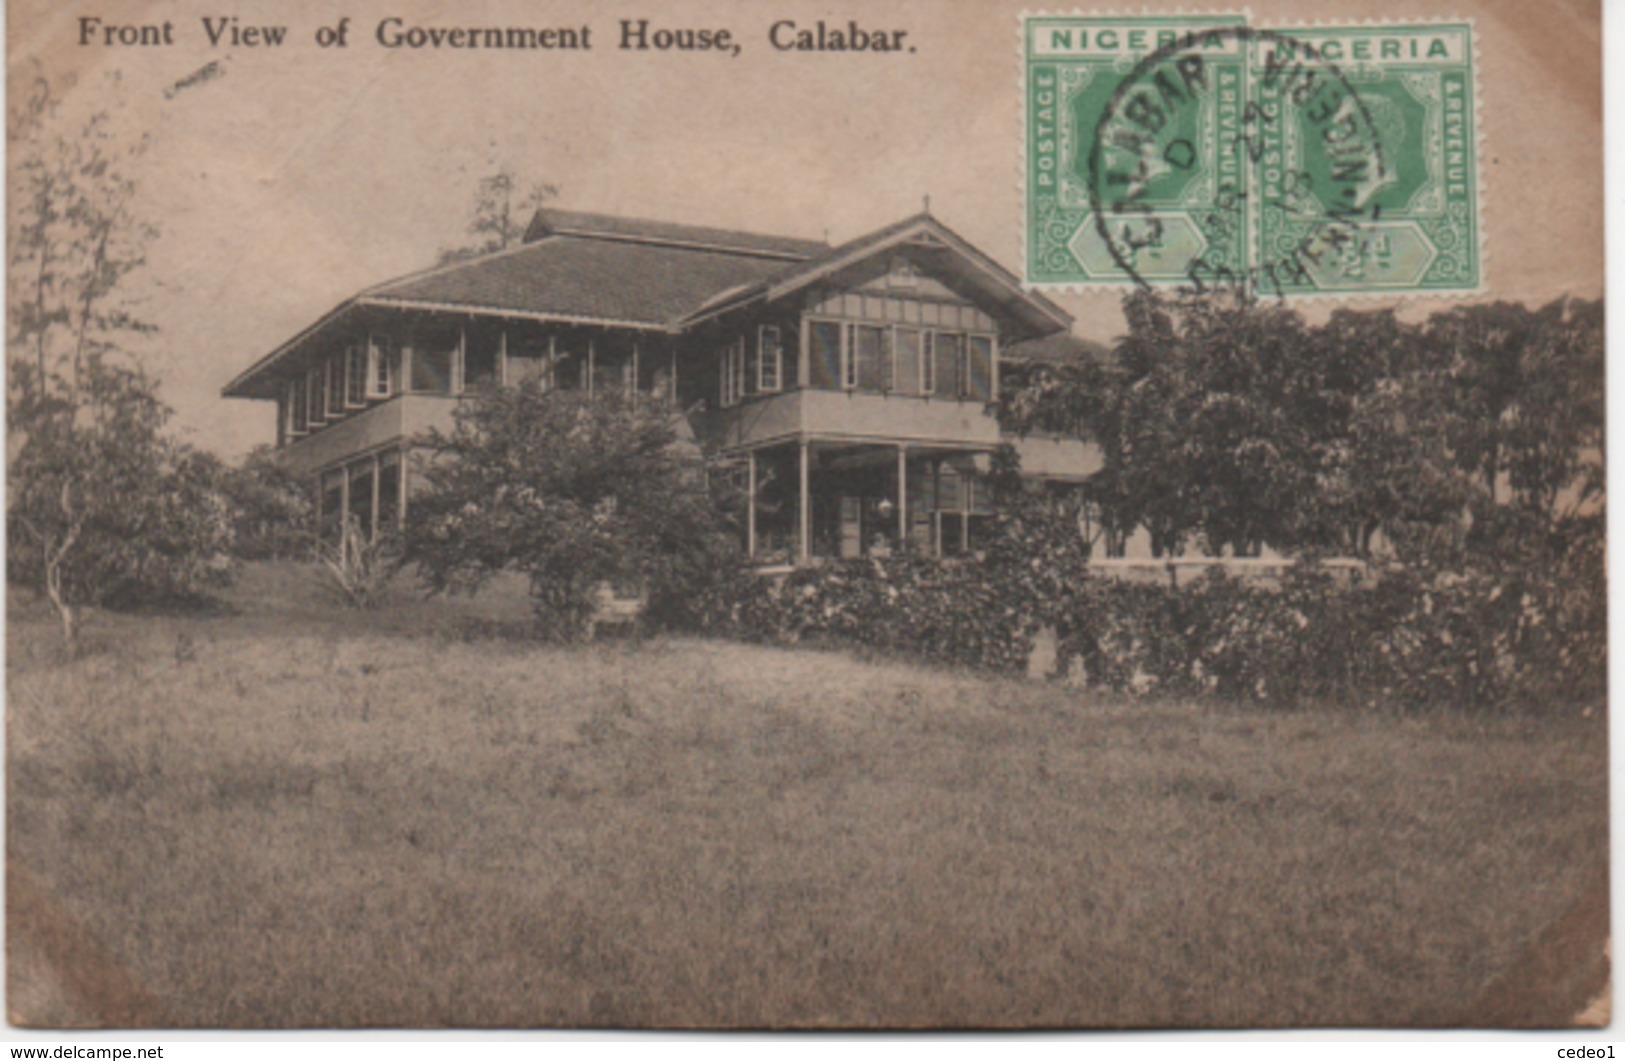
273,510
1250,424
1232,423
502,210
102,507
1528,410
1205,422
573,492
1072,399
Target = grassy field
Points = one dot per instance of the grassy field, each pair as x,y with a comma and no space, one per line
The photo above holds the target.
289,815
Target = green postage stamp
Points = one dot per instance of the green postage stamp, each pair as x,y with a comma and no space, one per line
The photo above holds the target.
1198,151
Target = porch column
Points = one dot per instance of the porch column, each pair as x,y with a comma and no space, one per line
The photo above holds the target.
459,361
902,498
400,492
750,505
804,512
966,492
936,507
373,515
344,499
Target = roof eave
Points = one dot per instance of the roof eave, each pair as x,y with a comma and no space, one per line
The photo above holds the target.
476,310
1042,311
243,385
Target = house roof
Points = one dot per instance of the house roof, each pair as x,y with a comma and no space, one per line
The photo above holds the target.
583,277
550,222
614,277
594,269
954,256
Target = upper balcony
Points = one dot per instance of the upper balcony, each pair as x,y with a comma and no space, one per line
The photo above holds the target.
858,416
392,421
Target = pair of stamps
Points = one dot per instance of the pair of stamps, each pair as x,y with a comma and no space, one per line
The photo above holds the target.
1201,152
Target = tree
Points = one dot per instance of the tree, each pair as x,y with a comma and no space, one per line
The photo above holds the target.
273,509
1250,422
102,507
573,492
1206,421
499,219
1233,422
1528,408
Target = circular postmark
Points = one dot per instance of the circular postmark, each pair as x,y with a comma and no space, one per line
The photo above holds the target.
1183,160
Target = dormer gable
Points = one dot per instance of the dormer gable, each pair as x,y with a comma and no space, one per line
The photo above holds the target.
918,257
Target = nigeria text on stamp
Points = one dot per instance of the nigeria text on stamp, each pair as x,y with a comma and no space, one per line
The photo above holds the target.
1197,151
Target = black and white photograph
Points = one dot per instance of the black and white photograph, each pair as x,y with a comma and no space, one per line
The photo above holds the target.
533,514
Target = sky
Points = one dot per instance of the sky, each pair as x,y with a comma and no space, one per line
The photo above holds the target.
303,173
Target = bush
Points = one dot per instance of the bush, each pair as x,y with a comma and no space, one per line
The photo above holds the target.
1402,638
1408,638
943,611
103,507
273,510
575,493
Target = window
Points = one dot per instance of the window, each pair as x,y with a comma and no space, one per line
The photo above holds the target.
355,377
380,354
896,359
432,364
769,359
824,353
868,349
315,396
947,350
297,420
483,345
909,367
335,387
733,372
980,375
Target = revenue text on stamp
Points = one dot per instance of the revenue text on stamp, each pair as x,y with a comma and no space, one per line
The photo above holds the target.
1199,151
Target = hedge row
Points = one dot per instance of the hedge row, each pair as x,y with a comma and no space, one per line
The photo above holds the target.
1401,638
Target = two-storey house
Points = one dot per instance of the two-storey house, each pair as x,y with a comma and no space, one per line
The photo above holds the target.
855,384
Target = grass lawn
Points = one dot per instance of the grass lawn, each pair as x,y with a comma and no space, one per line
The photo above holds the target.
290,815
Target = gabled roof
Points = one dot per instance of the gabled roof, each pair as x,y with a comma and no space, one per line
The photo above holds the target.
569,277
622,272
549,222
615,278
953,256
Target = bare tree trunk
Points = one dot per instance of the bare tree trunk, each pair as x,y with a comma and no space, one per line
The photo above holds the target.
39,296
98,263
53,588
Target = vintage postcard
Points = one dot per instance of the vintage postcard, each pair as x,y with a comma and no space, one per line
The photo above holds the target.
728,515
